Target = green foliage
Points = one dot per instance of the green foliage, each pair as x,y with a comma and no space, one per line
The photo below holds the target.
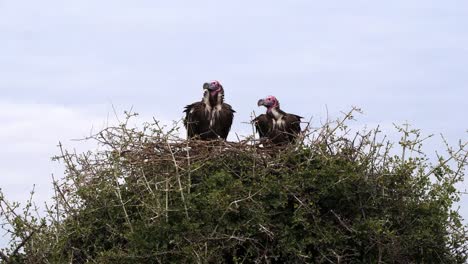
150,197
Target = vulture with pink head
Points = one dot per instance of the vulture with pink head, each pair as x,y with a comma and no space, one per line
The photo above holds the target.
211,118
276,125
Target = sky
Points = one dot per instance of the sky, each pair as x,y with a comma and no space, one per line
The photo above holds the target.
66,65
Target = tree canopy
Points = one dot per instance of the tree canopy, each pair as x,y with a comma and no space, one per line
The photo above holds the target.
335,197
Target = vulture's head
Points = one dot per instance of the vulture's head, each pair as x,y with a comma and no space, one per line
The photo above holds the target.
269,102
214,88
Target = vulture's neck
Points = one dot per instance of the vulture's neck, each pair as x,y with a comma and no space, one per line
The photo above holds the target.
213,101
276,113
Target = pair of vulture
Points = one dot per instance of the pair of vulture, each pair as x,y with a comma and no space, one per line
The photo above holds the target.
211,118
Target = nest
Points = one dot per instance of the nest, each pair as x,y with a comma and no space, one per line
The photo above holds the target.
184,153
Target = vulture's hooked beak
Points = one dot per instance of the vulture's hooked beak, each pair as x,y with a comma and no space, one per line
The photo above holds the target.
261,102
210,87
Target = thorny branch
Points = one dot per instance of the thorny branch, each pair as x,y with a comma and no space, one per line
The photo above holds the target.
130,156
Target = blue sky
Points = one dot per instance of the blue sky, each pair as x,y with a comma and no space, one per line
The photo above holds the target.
63,64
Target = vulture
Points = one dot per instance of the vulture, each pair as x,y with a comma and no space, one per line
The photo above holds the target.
276,125
210,118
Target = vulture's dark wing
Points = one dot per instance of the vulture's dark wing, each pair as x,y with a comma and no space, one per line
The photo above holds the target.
195,120
263,125
293,125
226,116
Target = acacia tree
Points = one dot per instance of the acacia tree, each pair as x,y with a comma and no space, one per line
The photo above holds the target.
334,197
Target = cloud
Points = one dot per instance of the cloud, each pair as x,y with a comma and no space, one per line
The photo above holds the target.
29,137
64,63
31,133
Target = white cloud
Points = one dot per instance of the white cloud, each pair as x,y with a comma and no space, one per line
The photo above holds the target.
29,137
31,132
397,60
